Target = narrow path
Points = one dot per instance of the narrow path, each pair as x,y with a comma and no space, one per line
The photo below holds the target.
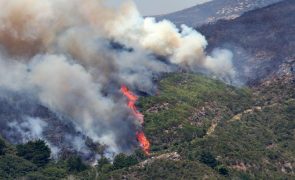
237,117
248,111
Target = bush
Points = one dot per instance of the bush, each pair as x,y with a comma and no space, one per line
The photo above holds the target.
103,161
35,151
13,166
48,173
122,161
190,132
54,172
208,159
222,170
75,164
107,168
37,176
140,155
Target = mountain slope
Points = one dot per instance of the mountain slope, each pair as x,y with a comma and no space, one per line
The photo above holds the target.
217,133
214,10
201,128
23,119
262,41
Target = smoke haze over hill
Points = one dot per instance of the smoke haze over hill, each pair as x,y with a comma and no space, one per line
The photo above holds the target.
62,55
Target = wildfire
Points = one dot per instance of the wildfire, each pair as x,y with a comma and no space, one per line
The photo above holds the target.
132,98
144,142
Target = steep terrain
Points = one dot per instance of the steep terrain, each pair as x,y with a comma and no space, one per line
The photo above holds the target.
248,132
262,41
243,133
214,10
201,128
23,119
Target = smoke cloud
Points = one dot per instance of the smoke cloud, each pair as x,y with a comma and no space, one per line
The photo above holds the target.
30,128
73,55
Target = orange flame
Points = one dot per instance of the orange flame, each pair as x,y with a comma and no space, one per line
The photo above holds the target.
132,98
144,142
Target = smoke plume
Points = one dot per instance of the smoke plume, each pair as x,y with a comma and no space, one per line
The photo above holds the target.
73,56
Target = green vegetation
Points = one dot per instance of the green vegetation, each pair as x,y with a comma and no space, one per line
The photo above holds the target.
35,151
208,159
187,105
167,169
75,164
219,131
50,173
12,166
199,129
122,161
32,161
102,163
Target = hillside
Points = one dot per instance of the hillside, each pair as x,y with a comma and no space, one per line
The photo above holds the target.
202,128
213,11
250,133
198,127
262,41
23,119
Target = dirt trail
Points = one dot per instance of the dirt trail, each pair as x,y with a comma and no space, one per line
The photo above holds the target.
237,117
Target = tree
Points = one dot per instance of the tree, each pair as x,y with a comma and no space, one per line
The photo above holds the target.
35,151
120,161
2,147
102,162
75,164
140,155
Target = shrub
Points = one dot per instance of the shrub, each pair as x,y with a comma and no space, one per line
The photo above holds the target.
75,164
107,168
208,159
190,132
222,170
35,151
13,166
102,162
122,161
37,176
54,172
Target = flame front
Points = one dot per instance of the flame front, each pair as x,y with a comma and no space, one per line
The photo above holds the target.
144,142
132,98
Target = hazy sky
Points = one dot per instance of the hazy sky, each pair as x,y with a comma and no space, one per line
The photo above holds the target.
156,7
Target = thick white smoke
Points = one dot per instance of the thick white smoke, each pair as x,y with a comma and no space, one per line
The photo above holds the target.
30,128
73,55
